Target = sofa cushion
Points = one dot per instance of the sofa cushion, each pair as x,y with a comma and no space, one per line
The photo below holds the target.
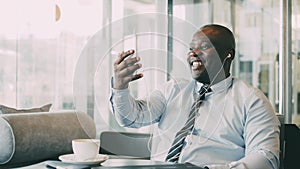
33,137
6,109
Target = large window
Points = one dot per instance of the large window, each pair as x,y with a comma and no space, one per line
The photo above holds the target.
62,51
40,44
254,26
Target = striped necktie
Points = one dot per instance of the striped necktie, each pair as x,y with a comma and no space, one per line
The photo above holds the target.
175,150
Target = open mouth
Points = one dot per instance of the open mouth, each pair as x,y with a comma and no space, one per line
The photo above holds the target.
196,64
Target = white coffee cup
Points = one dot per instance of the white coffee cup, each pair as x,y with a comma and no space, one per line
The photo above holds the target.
85,149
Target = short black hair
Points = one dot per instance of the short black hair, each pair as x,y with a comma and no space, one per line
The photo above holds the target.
225,32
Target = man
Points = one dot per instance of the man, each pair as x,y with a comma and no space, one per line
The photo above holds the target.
234,125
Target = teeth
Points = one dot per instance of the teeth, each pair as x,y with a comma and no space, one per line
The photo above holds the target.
197,63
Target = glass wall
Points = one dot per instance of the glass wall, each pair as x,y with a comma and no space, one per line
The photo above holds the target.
128,25
296,61
62,51
40,42
254,25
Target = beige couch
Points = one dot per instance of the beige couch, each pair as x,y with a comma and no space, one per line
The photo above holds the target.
33,137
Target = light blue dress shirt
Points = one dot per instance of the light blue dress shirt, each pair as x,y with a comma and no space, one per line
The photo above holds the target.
236,126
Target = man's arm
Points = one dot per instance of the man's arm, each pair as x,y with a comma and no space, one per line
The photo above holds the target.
262,131
261,135
130,112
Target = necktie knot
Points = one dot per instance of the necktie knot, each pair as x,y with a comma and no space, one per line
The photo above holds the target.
204,89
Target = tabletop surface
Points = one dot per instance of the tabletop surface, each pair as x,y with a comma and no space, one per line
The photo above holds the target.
110,164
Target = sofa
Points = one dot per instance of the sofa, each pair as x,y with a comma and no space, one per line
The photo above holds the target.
27,138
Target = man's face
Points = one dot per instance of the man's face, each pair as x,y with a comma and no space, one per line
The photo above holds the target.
203,59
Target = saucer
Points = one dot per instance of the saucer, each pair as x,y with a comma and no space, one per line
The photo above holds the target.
70,158
131,162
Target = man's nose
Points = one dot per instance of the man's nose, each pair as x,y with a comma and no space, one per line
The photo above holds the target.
195,53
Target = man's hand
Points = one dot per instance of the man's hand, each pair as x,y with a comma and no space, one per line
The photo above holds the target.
124,69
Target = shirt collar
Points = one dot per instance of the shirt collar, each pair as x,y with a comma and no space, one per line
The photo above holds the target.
218,87
222,85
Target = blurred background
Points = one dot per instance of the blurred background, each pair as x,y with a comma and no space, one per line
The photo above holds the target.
62,51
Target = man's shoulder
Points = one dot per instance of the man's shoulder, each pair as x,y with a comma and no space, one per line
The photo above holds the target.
246,88
174,86
241,84
178,83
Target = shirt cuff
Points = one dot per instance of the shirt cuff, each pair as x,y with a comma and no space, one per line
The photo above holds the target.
119,91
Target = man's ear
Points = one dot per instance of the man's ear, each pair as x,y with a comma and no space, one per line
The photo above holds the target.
230,54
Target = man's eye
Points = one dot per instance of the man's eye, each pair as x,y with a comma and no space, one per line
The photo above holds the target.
204,47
